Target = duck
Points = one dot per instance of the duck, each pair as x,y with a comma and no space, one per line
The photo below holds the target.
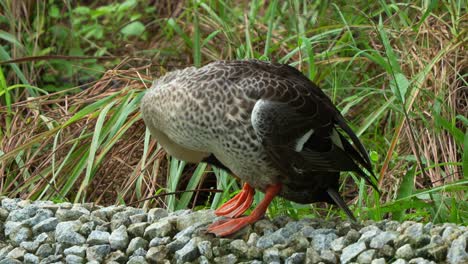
265,123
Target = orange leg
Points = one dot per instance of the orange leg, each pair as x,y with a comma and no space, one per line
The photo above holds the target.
230,226
238,204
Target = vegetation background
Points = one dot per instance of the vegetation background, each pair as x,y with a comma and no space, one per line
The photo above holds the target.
72,74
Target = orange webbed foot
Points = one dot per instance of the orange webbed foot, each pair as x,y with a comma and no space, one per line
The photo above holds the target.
227,227
238,204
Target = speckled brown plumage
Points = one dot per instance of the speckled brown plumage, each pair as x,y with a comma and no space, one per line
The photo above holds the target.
265,122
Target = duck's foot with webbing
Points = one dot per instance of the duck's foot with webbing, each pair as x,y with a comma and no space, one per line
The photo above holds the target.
229,226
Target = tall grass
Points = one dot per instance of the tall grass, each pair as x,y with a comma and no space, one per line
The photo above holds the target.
394,69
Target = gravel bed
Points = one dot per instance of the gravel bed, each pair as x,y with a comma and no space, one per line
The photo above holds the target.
44,232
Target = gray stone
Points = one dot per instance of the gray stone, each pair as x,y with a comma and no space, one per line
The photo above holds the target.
367,236
239,247
156,254
177,244
137,229
155,214
66,233
378,261
41,215
338,244
22,214
203,260
271,255
253,239
405,252
312,256
366,257
30,259
161,228
322,241
30,246
188,253
352,251
45,250
421,261
123,218
16,253
139,252
116,257
76,250
97,253
158,241
11,226
74,259
137,260
118,239
3,214
20,234
135,244
10,204
198,217
10,261
457,251
70,214
204,247
87,228
46,225
56,259
382,239
138,218
352,236
296,258
415,230
227,259
399,261
328,256
98,238
264,227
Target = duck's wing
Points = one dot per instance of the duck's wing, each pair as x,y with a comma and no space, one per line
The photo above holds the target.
303,131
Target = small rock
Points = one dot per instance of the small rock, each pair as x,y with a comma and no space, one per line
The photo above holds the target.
16,253
378,261
137,229
46,225
158,241
382,239
10,261
312,256
44,250
138,218
156,254
338,244
351,251
415,230
228,259
177,244
20,234
30,259
296,258
137,260
70,214
75,250
74,259
188,253
405,252
41,215
98,238
399,261
198,217
66,233
135,244
118,239
204,247
97,253
421,261
366,257
271,255
328,256
457,251
161,228
264,227
139,252
155,214
117,257
239,247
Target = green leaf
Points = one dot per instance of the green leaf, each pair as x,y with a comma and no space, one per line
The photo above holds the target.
133,29
54,11
399,86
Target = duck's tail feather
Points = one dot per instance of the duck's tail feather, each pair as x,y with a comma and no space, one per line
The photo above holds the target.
341,203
